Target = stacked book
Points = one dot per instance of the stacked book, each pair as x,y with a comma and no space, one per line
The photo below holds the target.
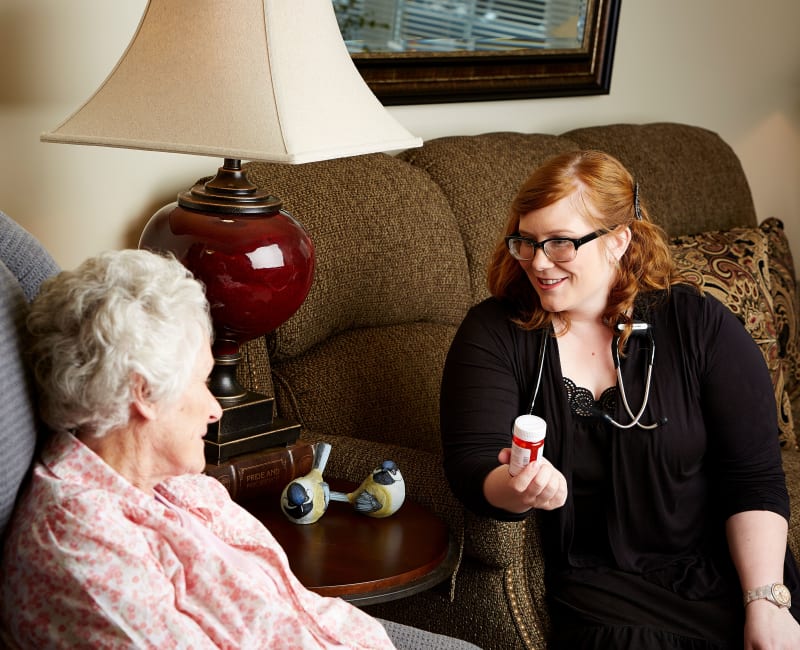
263,473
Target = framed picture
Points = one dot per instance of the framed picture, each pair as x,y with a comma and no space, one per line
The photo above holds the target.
430,51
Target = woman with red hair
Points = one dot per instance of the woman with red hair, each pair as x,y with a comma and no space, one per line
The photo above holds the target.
661,494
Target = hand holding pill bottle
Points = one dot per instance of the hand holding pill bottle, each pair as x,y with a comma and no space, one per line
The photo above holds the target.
527,442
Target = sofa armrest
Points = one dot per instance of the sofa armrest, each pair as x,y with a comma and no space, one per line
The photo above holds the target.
496,544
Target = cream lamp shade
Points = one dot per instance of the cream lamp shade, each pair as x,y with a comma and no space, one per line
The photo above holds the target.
267,80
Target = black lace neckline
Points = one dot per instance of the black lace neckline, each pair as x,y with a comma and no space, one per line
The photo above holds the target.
582,402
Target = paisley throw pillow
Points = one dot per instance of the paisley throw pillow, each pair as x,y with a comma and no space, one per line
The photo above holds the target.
734,267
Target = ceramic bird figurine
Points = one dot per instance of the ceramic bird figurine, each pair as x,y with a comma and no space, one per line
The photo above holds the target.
306,499
380,494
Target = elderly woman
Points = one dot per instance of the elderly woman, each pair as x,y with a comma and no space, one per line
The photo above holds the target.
120,540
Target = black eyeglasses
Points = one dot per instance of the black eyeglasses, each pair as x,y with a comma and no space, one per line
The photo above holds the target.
557,249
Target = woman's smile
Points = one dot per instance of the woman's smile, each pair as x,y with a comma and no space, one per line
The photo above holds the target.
549,283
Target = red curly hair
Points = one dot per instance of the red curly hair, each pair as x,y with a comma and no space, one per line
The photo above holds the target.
608,192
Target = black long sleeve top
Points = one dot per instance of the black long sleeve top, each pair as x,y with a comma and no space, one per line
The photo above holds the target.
663,494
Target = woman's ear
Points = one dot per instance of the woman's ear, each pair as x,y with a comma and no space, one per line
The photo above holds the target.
142,404
618,242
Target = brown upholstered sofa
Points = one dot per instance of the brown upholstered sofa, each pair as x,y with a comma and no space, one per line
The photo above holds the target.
402,244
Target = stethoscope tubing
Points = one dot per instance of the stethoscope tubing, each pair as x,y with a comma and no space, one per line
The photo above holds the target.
636,420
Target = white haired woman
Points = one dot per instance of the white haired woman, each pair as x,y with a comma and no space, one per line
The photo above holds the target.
120,540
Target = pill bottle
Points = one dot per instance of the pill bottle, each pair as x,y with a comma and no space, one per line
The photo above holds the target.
527,442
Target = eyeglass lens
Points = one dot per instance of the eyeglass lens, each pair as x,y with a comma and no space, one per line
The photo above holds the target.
558,250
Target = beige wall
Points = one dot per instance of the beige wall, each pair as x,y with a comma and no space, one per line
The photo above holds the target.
732,66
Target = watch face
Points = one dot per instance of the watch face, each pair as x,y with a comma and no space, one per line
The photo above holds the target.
781,595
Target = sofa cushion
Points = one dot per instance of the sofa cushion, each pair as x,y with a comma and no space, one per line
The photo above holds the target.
467,168
733,266
689,176
388,250
783,288
378,383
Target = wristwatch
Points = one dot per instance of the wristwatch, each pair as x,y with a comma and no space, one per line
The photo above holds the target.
774,593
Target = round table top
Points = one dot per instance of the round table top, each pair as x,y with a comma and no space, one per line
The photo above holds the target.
363,559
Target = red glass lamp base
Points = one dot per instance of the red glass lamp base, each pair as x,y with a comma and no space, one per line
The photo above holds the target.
257,269
255,260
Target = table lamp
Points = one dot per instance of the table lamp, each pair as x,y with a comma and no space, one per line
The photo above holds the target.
265,80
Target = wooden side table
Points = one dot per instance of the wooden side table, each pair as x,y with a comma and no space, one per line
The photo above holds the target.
361,559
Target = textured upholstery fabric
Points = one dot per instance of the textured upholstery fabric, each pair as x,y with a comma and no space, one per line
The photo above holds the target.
783,286
24,256
402,247
387,248
412,638
17,422
404,407
690,178
23,265
466,168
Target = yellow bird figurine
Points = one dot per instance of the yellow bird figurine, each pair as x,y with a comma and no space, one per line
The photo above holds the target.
380,494
306,499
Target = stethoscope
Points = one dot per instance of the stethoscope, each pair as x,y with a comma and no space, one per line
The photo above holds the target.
637,328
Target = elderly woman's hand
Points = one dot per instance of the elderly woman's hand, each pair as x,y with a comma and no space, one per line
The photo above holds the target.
539,485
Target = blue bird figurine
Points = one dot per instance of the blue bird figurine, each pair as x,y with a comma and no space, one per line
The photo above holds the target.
380,494
306,499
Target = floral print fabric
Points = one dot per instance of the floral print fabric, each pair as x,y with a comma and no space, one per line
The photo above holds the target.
93,562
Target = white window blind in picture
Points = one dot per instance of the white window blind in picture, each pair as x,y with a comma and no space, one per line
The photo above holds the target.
470,25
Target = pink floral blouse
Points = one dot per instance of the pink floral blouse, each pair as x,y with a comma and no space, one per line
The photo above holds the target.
93,562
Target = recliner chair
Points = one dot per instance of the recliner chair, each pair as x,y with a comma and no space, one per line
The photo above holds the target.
24,264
